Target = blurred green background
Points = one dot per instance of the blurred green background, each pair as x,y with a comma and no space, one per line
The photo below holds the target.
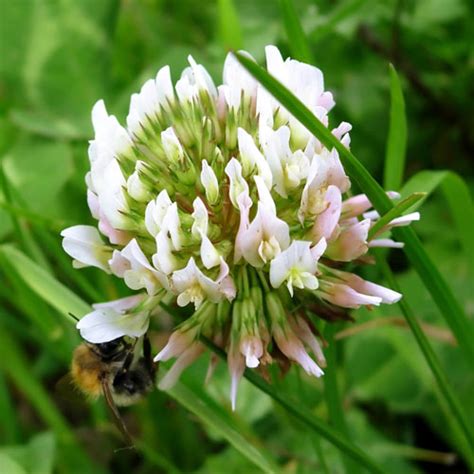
57,57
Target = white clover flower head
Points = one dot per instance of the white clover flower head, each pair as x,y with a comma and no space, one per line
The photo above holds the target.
216,199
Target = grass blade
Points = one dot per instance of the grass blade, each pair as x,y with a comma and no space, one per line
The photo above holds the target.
297,40
396,211
397,135
333,395
429,274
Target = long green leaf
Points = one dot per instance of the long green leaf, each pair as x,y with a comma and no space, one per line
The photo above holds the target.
397,135
297,40
459,200
429,274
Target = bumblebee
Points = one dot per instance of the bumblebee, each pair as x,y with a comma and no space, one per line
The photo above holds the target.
122,370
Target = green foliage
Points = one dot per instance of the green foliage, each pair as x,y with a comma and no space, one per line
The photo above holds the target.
58,57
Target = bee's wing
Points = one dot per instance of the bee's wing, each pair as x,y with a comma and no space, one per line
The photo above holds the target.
67,391
115,413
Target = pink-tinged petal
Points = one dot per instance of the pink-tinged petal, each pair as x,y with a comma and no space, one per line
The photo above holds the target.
345,296
351,242
326,222
368,288
341,130
183,361
293,348
178,342
236,365
326,100
358,204
244,203
386,243
303,331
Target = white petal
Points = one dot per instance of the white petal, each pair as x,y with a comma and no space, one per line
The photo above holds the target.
106,324
84,244
156,211
209,255
238,185
200,217
209,182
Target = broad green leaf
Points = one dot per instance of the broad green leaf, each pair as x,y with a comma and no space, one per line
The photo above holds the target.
10,465
50,125
38,170
229,25
296,37
429,274
459,200
60,67
37,456
397,136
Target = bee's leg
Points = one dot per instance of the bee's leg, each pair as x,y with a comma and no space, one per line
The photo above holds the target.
126,363
147,354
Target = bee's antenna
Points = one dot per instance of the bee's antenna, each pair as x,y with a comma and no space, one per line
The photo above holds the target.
74,317
125,448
